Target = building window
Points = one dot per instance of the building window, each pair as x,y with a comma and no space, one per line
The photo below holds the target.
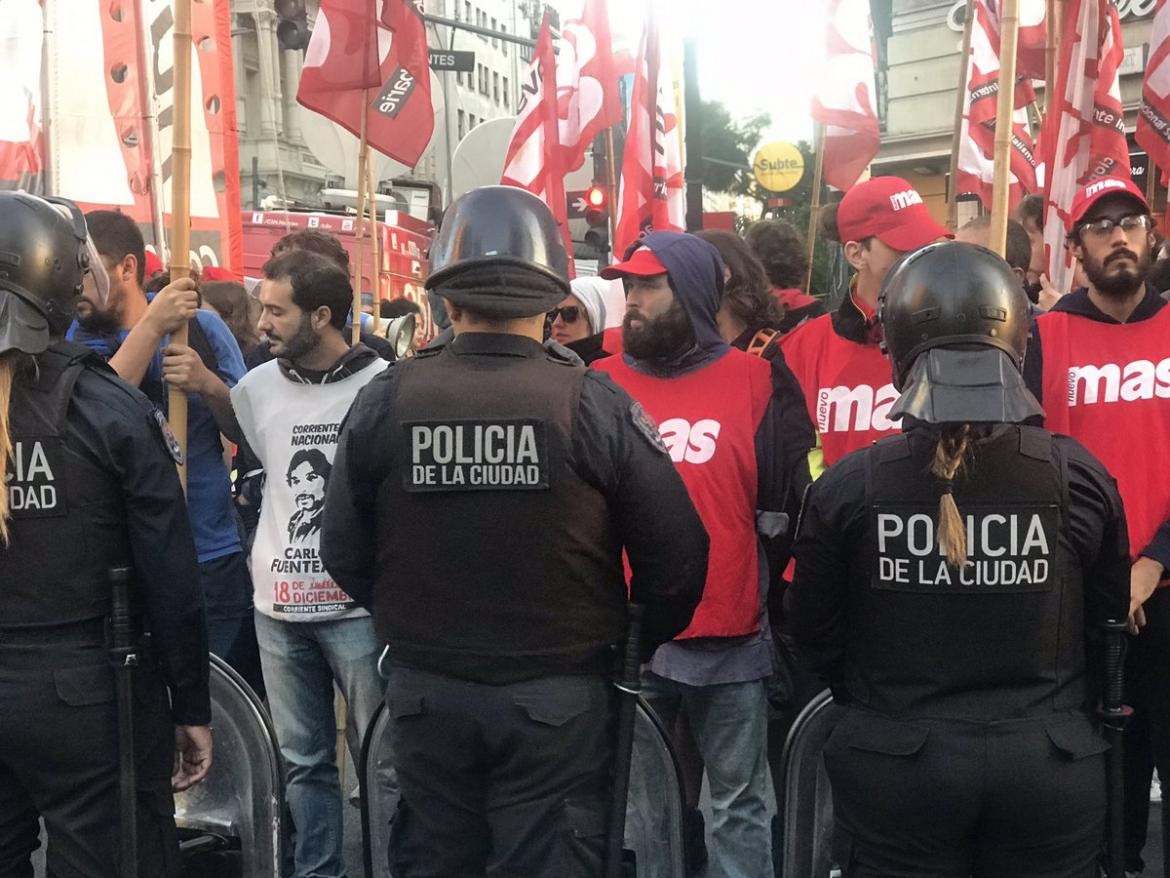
503,43
459,77
471,120
481,19
507,95
495,26
467,11
496,87
457,15
462,124
483,80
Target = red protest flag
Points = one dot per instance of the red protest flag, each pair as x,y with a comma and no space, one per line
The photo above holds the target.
534,154
975,170
845,99
651,197
362,61
1153,121
587,80
1084,134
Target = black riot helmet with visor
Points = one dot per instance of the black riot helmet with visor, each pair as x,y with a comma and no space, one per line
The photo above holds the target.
45,254
955,322
500,252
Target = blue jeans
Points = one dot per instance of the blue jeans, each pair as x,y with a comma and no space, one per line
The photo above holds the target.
730,724
301,661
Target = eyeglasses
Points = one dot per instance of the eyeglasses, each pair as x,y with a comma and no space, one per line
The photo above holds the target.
1104,227
569,314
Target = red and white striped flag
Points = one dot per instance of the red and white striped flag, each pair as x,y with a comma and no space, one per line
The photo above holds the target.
587,79
22,38
1084,134
651,196
845,102
977,135
1032,37
534,155
1153,122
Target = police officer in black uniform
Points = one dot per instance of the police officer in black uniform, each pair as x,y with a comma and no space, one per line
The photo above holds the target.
951,583
91,486
479,504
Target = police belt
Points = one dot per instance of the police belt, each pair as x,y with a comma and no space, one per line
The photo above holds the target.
87,631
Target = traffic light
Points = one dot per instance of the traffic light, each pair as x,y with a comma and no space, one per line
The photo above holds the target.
597,218
292,25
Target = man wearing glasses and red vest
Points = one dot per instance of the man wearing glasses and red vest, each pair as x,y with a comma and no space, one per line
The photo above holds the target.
837,358
1100,364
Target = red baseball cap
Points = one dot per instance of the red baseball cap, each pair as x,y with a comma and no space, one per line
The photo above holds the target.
891,210
641,262
214,272
1091,193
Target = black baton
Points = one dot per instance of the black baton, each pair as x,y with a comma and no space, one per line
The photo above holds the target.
1114,715
124,658
629,686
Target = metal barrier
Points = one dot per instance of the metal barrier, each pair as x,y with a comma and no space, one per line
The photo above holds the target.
653,834
807,798
232,822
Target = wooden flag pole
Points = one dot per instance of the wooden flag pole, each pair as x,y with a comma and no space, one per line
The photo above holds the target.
375,263
1051,50
180,259
960,104
815,203
363,162
1009,24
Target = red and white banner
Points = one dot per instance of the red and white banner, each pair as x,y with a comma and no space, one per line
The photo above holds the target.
977,135
1032,37
22,28
97,131
651,197
587,79
1084,134
365,62
1153,122
534,154
845,100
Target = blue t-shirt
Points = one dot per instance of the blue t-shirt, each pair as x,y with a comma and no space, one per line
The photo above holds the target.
209,496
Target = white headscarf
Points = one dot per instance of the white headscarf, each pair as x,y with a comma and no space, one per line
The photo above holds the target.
590,292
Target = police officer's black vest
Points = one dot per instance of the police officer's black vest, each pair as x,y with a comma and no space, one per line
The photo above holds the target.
497,559
68,524
1002,637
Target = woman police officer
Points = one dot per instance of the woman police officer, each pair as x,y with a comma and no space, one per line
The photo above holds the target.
90,487
950,583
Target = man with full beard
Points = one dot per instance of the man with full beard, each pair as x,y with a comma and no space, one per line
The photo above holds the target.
737,431
1101,369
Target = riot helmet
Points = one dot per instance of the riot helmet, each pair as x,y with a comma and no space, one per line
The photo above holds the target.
44,255
955,320
501,252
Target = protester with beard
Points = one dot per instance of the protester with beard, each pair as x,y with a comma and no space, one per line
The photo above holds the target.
578,322
738,436
838,358
133,329
782,251
1098,365
327,245
311,633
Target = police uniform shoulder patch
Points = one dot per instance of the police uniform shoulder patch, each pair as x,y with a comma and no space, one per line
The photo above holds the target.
169,437
647,427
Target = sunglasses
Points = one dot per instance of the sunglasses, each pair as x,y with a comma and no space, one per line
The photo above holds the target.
569,314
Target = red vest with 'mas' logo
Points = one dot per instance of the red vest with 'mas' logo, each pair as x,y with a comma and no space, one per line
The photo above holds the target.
1108,386
846,385
708,419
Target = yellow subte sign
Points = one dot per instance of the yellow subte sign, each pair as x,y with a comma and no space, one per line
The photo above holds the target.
778,166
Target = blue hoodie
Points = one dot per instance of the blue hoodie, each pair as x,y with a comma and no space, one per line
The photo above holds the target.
696,275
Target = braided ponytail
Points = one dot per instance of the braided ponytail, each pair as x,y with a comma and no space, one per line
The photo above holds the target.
949,455
8,365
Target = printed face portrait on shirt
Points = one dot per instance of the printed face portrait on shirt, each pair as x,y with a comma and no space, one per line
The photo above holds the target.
1113,243
308,477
